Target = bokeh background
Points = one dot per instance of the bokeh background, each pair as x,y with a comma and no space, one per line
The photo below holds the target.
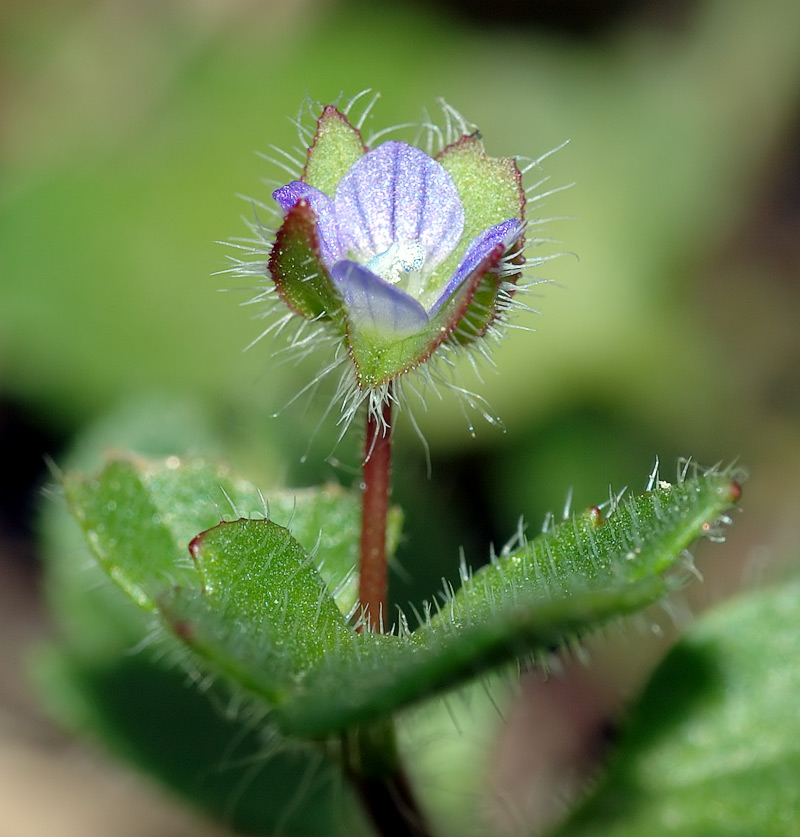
127,130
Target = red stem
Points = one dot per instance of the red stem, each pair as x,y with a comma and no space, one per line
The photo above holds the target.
374,579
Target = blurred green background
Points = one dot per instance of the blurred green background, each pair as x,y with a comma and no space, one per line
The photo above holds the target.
128,128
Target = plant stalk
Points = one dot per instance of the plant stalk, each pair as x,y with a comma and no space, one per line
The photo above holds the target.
371,761
370,751
373,569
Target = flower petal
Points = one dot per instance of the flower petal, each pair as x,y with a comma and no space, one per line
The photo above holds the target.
398,194
376,305
322,206
479,248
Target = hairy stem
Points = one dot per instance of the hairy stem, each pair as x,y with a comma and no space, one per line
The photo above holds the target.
374,583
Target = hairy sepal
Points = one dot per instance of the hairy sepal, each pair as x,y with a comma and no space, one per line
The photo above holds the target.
381,357
490,189
296,267
474,307
337,146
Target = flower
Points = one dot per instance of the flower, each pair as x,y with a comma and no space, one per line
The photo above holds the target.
395,218
394,253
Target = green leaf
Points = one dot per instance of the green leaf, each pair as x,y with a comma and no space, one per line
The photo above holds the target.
139,517
256,608
202,743
222,761
713,745
263,615
530,601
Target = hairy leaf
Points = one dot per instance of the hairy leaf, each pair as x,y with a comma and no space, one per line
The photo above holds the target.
255,607
529,601
139,517
109,678
221,761
263,614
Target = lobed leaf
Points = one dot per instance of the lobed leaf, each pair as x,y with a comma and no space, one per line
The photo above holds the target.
263,614
222,761
529,601
139,517
202,743
255,607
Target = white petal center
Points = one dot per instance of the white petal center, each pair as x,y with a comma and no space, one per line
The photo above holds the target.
400,258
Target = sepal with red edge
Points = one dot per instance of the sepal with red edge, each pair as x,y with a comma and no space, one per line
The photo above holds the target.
296,267
337,146
490,189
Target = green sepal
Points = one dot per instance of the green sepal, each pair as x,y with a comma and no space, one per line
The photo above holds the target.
337,146
296,267
490,189
481,311
380,357
474,307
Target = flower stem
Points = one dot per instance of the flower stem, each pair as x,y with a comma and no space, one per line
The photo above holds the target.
371,761
374,579
370,750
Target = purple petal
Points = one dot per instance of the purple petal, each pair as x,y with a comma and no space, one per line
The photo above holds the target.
288,195
479,248
376,304
322,207
397,193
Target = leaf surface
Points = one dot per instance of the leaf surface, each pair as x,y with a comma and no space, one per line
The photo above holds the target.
255,607
713,745
139,517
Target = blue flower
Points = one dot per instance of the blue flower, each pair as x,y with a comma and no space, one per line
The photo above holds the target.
395,218
395,255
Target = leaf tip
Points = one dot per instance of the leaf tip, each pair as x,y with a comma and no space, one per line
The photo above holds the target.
595,516
196,545
197,542
184,630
